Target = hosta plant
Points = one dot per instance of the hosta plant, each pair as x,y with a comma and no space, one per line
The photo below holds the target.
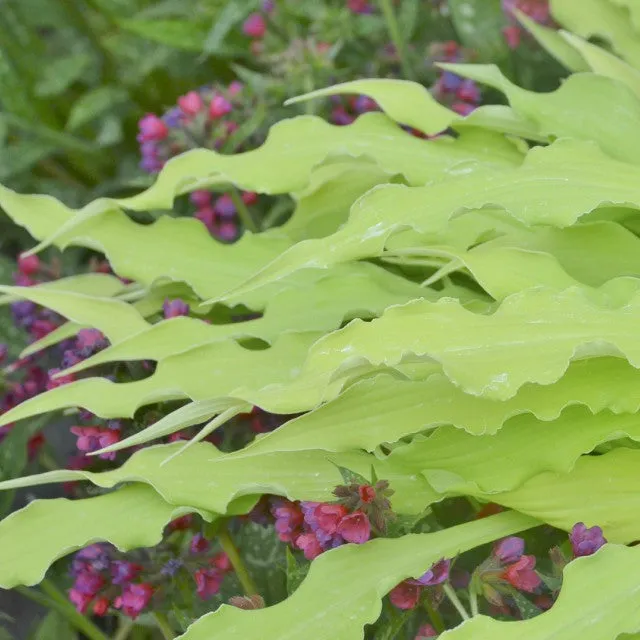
440,347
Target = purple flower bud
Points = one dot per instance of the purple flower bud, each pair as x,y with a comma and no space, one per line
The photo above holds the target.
201,198
224,207
437,574
509,550
219,107
123,572
585,541
175,308
268,6
152,128
172,567
199,544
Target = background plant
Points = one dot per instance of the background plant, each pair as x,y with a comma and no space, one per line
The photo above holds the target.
438,314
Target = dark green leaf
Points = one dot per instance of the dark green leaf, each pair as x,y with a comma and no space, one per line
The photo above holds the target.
94,104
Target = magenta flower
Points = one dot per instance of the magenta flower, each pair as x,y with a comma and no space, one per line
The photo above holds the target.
309,545
199,544
521,574
92,439
28,265
585,542
175,308
88,583
289,519
3,352
79,600
89,339
134,599
324,520
405,596
426,631
208,582
201,198
123,572
509,550
367,493
152,129
437,574
355,528
191,103
221,562
360,6
254,26
219,107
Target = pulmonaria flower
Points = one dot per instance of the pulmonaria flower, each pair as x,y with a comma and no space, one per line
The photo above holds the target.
254,26
123,572
152,129
171,567
175,308
289,520
509,550
426,631
372,501
219,106
4,350
360,6
521,574
309,544
222,562
537,10
437,574
208,582
92,439
405,596
100,606
90,339
355,528
28,265
191,103
323,519
181,524
134,599
79,600
585,541
199,544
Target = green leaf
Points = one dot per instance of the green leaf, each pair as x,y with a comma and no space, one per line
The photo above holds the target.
479,24
225,20
180,34
589,18
59,74
613,606
581,108
54,626
94,104
26,554
406,102
551,40
369,572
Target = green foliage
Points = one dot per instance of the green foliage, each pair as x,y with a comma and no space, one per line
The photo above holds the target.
457,316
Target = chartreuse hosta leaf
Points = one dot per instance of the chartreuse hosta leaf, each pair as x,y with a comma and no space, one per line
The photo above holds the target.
634,11
215,370
116,319
26,554
406,102
357,289
204,478
599,600
600,18
385,409
555,186
581,108
327,608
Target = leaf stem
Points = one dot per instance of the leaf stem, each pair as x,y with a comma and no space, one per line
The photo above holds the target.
57,601
455,601
396,37
164,626
236,562
435,617
473,599
124,629
243,213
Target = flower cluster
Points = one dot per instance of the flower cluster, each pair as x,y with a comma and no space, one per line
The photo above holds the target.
462,95
360,6
537,10
407,594
315,527
345,110
105,579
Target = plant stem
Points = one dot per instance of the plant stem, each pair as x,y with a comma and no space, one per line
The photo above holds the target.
243,213
396,37
473,598
455,601
164,626
124,629
236,562
435,617
56,601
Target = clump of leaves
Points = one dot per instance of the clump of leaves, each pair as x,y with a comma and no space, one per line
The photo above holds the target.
456,316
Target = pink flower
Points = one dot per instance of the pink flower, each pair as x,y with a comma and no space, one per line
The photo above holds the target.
191,103
123,572
201,198
309,545
367,493
152,128
426,631
28,265
134,598
328,517
521,575
289,519
79,600
355,527
219,107
221,562
405,595
437,574
89,338
512,35
254,26
175,308
208,582
199,544
92,439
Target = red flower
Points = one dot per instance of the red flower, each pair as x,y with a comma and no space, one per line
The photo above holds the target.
329,516
101,606
221,562
28,265
405,595
310,546
367,493
355,527
521,575
208,582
